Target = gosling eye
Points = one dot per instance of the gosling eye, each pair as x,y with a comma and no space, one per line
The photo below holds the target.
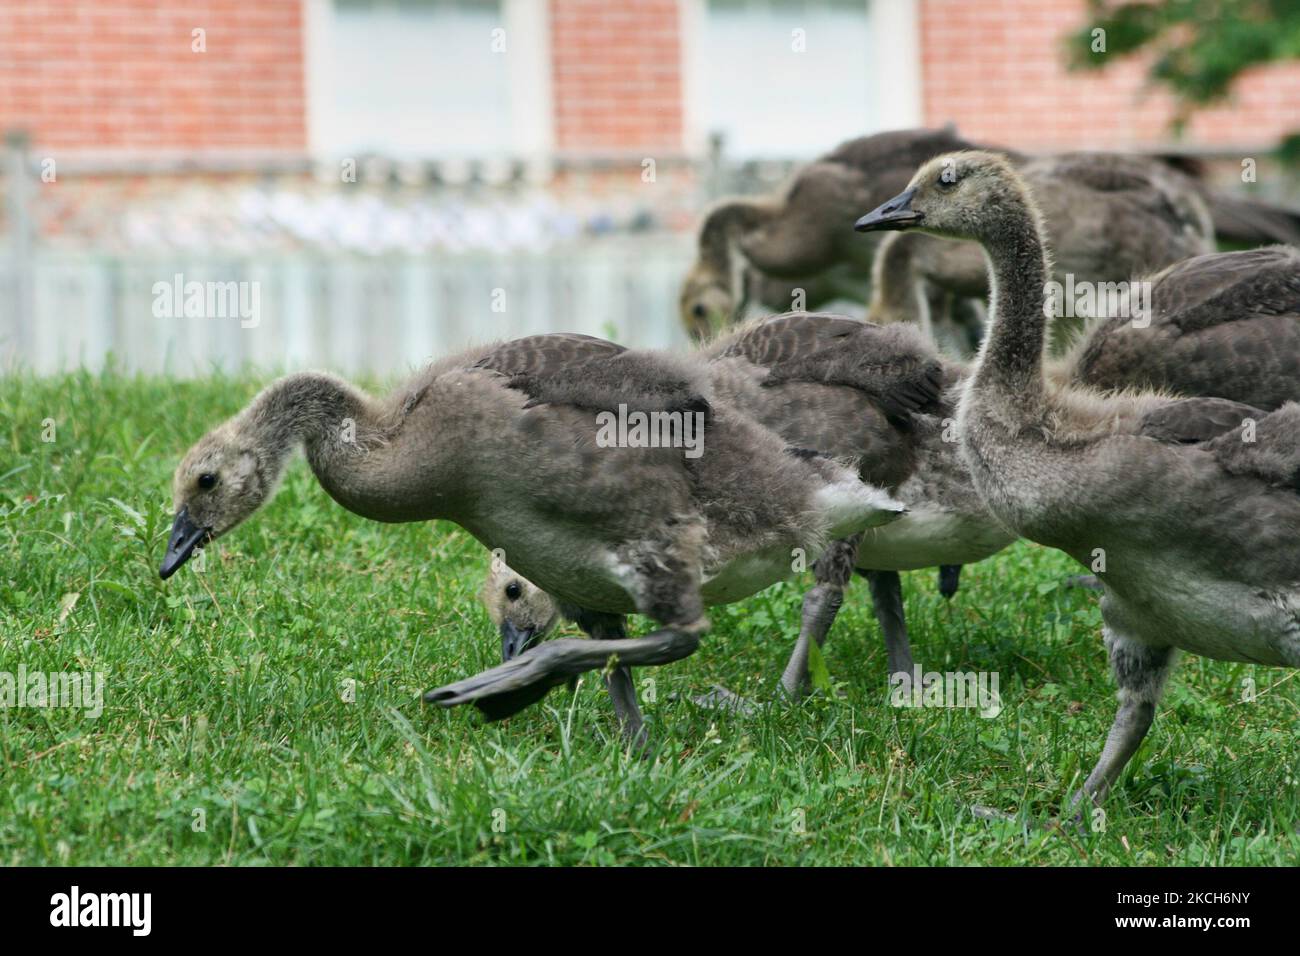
698,310
513,590
946,181
207,481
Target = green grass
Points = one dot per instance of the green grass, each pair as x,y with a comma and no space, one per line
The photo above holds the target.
224,694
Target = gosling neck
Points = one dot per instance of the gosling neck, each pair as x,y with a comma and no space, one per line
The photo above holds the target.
339,427
723,228
895,290
308,409
1012,356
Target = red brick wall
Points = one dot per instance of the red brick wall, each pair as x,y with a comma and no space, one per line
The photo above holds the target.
617,75
120,74
995,68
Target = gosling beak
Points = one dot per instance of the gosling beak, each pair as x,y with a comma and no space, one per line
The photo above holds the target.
515,640
186,536
895,214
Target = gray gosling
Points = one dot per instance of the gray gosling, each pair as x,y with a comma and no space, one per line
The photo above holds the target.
747,246
836,388
506,441
1193,502
520,610
801,376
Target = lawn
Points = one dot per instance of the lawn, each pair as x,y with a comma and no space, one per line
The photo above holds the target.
266,710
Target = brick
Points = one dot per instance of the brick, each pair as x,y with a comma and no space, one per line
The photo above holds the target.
120,73
616,75
996,70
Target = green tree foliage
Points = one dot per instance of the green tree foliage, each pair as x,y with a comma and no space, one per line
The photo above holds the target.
1198,48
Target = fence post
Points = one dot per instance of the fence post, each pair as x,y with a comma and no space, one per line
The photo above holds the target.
714,187
22,238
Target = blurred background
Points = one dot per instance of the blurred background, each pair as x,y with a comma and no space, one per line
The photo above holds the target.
398,178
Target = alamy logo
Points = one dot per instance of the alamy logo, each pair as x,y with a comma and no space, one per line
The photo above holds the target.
1109,300
179,299
84,691
103,909
961,689
651,430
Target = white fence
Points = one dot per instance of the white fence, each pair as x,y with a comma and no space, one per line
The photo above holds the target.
350,314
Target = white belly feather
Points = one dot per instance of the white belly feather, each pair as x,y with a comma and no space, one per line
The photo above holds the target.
929,535
1166,602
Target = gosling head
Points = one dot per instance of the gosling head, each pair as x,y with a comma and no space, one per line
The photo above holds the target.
220,482
966,195
522,612
706,304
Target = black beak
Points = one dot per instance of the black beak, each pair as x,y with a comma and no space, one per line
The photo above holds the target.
515,640
895,214
186,536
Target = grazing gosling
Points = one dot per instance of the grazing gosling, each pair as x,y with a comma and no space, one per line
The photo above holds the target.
716,288
521,611
1197,523
710,305
506,441
802,235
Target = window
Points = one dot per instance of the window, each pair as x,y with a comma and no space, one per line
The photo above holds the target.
427,79
793,78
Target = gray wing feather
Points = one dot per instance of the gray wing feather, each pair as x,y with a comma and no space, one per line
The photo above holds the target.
570,369
1194,420
1274,453
893,364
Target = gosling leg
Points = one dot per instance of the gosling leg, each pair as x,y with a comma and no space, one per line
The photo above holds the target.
618,682
820,607
887,595
1140,670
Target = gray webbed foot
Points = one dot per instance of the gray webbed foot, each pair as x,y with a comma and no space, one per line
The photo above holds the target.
502,690
949,579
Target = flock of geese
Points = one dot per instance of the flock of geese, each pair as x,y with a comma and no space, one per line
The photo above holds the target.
1170,446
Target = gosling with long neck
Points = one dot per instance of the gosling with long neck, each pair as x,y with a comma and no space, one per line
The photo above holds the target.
1191,503
506,441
